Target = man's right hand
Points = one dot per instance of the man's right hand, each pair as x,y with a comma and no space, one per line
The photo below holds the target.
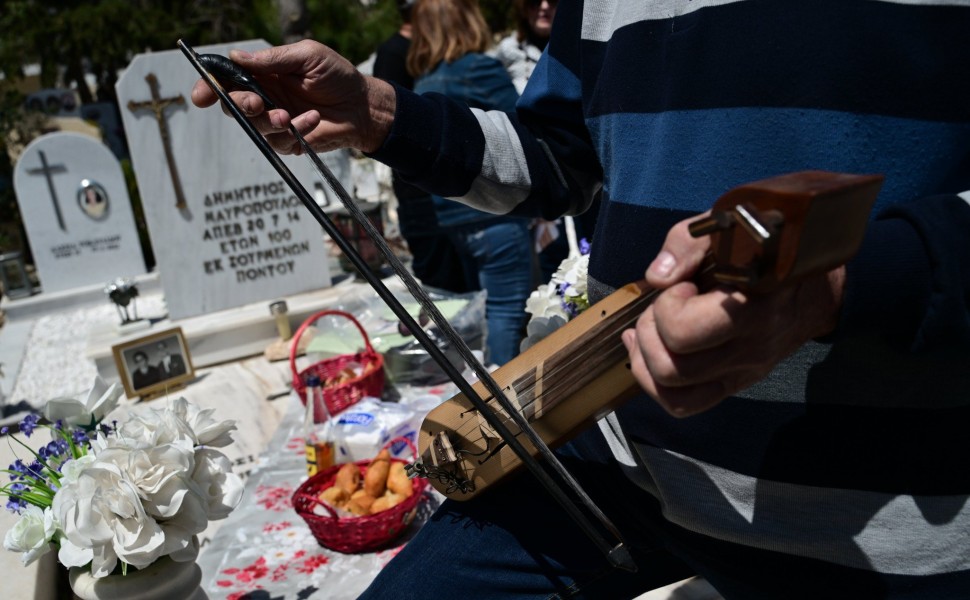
326,99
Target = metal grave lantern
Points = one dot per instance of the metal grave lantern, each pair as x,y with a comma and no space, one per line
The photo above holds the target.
13,276
122,292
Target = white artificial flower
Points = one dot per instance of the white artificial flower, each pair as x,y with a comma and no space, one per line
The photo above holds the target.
221,488
572,271
141,492
31,534
206,430
155,427
544,302
103,520
71,469
100,400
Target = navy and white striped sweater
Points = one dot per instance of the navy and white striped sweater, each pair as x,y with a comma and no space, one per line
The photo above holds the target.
854,451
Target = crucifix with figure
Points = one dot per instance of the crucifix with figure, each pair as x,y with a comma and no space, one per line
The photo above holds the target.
157,105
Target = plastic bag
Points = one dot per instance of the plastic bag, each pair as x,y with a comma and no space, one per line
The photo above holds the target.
361,431
410,364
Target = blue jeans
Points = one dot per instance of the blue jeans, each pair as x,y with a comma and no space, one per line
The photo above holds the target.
515,541
497,257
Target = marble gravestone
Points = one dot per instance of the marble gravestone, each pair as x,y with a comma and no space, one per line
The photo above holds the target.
226,229
77,213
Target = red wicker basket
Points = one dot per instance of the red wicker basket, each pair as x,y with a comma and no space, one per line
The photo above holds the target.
356,534
340,396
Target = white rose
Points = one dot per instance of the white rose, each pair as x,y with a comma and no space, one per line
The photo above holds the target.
221,489
150,428
31,534
103,520
573,272
544,302
206,430
101,399
71,469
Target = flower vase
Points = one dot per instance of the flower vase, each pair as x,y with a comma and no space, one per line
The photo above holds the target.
164,579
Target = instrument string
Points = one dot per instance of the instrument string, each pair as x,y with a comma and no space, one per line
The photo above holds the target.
567,375
450,475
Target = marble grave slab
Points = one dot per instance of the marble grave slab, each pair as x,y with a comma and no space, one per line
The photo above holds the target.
226,229
77,213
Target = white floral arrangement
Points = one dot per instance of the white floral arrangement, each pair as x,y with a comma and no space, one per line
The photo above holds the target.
110,497
553,304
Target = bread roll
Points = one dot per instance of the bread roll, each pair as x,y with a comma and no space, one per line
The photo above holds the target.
385,502
397,480
348,478
375,480
360,503
336,497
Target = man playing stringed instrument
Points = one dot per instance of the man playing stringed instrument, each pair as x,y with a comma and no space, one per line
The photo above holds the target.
805,442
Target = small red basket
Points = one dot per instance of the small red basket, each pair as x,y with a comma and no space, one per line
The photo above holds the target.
356,534
338,397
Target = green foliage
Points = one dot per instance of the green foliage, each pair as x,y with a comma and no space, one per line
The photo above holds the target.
350,28
499,14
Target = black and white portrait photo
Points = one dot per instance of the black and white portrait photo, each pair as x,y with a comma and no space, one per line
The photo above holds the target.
153,363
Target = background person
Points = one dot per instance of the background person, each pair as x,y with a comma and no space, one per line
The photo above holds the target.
435,260
790,440
449,38
519,52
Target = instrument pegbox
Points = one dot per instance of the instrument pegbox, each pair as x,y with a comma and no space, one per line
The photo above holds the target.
756,248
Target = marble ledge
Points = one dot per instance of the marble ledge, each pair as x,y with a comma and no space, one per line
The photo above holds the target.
223,336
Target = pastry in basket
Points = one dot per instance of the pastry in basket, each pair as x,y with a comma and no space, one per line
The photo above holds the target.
384,485
360,503
385,502
343,376
375,480
348,478
335,496
398,482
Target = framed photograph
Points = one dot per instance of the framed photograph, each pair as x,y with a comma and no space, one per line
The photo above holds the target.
154,363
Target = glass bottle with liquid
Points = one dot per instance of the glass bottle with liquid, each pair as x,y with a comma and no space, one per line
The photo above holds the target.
317,429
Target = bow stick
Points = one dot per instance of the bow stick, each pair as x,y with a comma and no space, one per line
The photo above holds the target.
212,69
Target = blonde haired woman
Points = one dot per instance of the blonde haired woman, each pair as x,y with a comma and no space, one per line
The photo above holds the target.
449,38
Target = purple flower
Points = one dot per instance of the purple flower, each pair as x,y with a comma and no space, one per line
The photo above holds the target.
55,448
79,436
29,423
4,430
19,468
36,470
584,246
15,505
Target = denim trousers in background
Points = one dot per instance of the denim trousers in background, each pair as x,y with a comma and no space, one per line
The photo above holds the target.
497,256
